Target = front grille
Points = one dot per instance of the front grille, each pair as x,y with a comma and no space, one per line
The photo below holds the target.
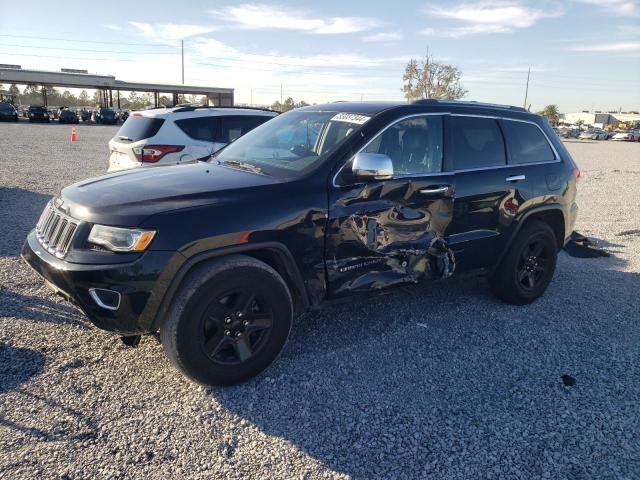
55,231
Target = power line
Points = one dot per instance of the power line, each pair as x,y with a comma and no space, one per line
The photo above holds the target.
86,41
129,52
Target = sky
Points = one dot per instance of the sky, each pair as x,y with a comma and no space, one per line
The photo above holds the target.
583,54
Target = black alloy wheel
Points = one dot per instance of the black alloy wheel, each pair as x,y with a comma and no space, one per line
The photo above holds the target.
236,326
533,262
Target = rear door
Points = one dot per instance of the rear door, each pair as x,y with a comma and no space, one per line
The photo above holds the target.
384,233
488,191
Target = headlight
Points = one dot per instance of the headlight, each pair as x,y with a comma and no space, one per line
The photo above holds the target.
121,239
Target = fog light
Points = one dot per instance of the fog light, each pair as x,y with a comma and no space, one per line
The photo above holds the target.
108,299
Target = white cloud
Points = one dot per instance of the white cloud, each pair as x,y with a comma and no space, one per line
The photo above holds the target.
263,16
616,7
493,16
170,32
383,37
221,52
113,27
616,47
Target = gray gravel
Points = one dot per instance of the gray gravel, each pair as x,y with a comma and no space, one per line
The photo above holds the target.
436,381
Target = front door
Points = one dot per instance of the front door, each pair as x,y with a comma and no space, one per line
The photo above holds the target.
390,232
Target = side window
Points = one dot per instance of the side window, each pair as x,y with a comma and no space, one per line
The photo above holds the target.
200,128
233,127
414,145
527,143
477,143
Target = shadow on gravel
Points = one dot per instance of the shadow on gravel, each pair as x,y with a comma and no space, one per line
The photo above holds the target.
19,214
39,309
18,365
443,381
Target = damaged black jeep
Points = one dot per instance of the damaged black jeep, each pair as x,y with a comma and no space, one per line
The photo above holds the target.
319,203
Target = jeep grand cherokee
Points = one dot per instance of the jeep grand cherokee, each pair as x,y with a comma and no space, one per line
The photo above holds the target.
316,204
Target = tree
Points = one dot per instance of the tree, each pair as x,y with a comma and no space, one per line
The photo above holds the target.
552,112
83,99
15,91
288,104
430,79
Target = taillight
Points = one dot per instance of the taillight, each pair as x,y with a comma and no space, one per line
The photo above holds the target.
153,153
577,174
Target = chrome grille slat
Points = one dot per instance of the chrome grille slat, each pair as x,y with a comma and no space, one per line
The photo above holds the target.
55,231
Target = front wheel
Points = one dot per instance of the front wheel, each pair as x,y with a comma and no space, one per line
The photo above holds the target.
229,321
527,269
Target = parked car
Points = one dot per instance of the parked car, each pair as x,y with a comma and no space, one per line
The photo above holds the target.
317,204
169,136
67,116
85,115
625,137
38,113
123,115
8,112
594,135
106,116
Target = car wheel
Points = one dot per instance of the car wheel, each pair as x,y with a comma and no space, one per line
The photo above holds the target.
229,321
527,269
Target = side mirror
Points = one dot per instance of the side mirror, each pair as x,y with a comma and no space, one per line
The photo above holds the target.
372,166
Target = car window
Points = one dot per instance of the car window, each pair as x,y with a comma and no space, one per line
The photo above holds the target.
527,143
200,128
233,127
414,145
477,143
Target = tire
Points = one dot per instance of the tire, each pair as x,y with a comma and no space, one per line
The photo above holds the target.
204,313
519,281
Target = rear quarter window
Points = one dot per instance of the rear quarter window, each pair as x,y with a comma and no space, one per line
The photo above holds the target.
527,144
138,128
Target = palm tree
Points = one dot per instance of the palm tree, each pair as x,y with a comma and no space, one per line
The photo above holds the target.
552,112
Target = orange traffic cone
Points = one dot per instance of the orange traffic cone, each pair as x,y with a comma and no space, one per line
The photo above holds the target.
74,135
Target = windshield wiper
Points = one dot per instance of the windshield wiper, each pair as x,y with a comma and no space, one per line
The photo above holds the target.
242,165
124,137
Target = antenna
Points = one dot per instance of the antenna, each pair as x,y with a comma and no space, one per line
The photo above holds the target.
526,90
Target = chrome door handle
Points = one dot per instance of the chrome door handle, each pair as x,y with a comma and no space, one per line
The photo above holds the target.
515,178
435,190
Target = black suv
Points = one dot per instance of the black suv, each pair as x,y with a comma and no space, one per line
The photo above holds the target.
37,113
106,116
316,204
8,112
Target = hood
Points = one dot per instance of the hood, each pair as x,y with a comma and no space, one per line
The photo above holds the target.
127,198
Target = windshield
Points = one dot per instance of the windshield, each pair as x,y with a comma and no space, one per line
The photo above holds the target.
291,144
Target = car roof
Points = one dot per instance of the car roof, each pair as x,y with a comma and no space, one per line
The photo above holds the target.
374,108
201,111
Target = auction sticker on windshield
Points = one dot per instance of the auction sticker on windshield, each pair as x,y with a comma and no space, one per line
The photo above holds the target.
350,117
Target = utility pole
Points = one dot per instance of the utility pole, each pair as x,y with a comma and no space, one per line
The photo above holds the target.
251,96
281,95
526,90
182,48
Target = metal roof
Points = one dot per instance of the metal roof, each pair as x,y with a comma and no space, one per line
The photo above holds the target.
82,80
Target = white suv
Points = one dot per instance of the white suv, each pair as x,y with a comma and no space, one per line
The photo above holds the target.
169,136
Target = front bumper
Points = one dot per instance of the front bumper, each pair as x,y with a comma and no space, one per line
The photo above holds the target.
139,283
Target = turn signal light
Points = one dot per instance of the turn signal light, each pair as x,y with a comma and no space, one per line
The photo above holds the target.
153,153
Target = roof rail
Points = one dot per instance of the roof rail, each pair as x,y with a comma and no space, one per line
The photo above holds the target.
190,108
471,103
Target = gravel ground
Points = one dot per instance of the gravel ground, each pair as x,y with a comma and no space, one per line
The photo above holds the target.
436,381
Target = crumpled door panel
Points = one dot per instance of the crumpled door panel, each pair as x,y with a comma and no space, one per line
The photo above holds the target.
387,234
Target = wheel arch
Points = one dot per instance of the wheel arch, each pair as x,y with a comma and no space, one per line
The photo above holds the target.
274,254
550,214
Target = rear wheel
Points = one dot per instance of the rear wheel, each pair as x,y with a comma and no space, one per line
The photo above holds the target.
527,269
229,321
